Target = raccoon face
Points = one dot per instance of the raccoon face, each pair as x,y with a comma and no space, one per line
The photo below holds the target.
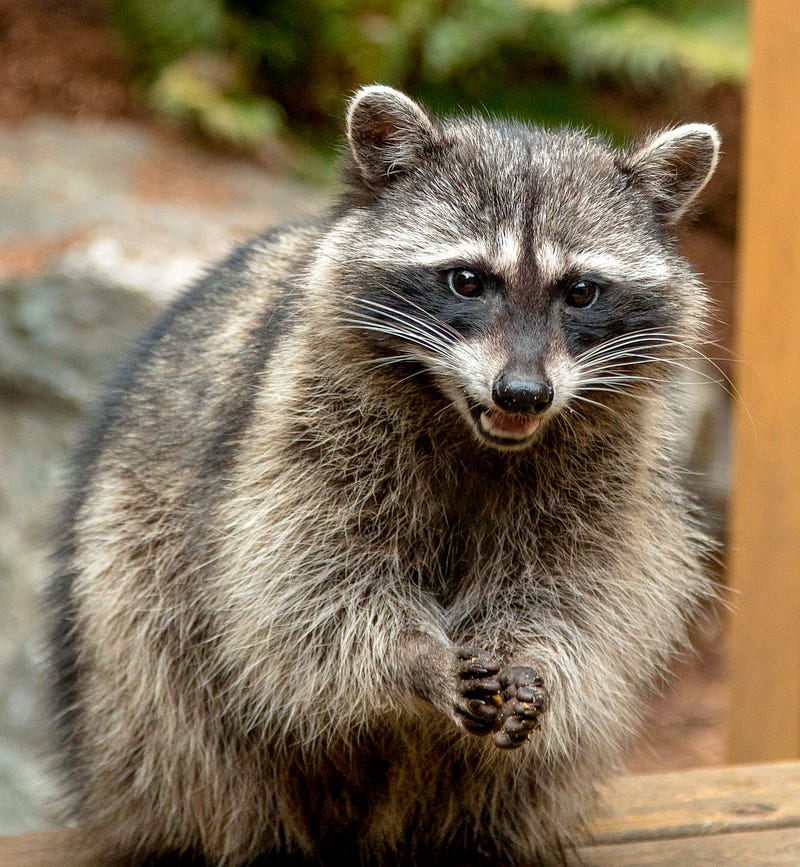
526,271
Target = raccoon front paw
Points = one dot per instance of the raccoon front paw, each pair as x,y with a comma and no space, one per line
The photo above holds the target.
524,700
478,698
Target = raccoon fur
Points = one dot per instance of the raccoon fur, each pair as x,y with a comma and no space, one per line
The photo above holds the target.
378,541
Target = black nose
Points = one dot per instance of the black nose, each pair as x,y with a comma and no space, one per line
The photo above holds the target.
517,394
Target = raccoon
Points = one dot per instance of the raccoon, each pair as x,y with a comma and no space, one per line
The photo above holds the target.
378,541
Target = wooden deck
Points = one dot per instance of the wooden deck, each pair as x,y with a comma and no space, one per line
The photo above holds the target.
741,815
45,849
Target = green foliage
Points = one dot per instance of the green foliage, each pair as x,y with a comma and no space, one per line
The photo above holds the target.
237,67
652,44
157,32
206,91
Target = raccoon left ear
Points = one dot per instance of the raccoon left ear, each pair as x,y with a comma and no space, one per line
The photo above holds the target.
387,132
673,166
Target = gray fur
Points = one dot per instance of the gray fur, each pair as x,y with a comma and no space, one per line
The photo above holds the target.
296,569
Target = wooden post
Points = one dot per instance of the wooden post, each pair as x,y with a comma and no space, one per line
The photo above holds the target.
764,717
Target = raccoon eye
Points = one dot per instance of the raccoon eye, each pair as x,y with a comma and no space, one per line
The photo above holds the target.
583,293
465,282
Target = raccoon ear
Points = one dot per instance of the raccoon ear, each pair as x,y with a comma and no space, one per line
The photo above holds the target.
387,133
673,166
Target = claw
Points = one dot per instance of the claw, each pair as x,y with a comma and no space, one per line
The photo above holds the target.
482,688
503,741
482,711
524,701
479,705
478,666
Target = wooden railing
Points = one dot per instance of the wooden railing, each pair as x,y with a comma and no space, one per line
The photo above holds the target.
765,514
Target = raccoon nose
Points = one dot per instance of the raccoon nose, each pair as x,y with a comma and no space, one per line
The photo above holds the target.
517,394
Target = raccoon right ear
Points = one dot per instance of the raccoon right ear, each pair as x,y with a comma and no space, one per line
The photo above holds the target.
673,166
387,132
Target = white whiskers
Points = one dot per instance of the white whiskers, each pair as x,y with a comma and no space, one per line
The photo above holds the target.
621,365
413,326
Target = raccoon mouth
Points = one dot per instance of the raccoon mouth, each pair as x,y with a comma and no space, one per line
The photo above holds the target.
503,428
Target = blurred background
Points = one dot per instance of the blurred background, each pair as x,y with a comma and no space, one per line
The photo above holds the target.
140,139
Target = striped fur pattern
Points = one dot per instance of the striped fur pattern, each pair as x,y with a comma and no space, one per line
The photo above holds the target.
321,598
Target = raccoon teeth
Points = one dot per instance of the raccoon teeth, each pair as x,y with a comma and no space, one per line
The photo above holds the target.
502,425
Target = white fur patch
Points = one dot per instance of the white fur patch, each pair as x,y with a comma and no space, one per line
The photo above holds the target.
616,268
478,362
502,254
551,260
507,252
465,252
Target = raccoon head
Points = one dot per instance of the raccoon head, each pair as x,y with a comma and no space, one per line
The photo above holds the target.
525,271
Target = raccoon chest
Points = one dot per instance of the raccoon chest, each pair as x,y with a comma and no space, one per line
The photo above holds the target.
471,558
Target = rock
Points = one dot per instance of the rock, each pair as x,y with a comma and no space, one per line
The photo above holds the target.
101,224
60,338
